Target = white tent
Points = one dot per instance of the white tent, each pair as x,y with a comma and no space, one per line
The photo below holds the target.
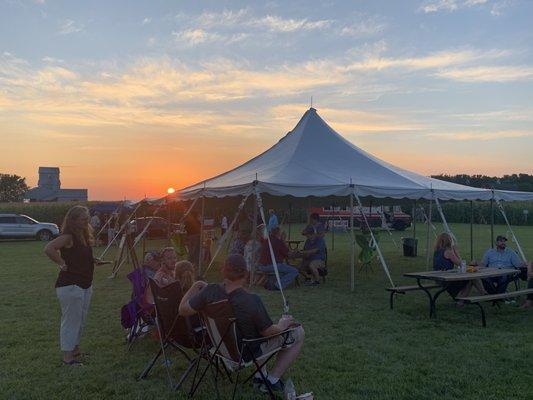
314,160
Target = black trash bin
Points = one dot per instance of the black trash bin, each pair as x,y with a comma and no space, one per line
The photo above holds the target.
410,247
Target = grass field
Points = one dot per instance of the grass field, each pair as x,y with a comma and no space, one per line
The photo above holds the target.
356,348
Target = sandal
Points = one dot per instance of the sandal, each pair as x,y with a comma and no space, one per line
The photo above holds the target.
76,363
81,354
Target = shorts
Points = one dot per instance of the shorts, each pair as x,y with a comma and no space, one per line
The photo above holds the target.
296,335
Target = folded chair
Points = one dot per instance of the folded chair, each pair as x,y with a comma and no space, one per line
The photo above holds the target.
137,314
232,354
174,331
368,250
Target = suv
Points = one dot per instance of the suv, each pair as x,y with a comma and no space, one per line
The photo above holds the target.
22,226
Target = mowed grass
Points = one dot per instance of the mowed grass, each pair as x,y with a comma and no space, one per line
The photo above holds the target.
355,348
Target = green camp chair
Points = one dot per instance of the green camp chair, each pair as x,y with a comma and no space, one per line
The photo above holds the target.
368,250
178,242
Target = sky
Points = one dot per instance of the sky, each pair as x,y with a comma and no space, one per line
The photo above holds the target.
129,98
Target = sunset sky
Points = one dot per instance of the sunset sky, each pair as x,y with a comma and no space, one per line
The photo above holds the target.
129,98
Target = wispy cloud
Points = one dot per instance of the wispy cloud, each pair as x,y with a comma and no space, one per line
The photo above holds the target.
195,36
146,21
433,6
364,27
286,25
70,26
484,136
488,74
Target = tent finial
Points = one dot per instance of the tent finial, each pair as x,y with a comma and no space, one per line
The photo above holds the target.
311,101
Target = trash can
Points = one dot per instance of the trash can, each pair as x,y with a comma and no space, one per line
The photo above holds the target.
410,247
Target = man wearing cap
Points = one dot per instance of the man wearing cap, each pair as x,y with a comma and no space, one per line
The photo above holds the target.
500,257
314,255
252,318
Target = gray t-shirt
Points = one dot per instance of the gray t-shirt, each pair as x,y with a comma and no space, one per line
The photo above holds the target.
250,312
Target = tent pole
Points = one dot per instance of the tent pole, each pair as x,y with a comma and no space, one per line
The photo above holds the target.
333,230
254,238
352,235
290,214
201,244
492,222
414,220
471,230
427,237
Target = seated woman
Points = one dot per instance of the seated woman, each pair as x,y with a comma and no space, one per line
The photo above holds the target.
166,274
184,273
446,257
150,264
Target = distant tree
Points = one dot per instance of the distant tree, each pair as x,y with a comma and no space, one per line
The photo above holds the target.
12,188
523,182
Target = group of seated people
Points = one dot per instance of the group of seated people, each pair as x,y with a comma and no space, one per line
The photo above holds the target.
252,318
446,257
259,251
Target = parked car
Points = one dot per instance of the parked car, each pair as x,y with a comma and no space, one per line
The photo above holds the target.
157,229
21,226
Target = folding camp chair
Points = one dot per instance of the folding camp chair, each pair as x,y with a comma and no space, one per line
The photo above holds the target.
174,331
220,323
137,314
368,250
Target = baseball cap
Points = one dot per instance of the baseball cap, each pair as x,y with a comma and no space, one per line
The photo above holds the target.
309,230
236,263
500,238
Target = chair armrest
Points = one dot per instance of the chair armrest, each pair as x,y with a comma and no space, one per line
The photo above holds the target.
266,338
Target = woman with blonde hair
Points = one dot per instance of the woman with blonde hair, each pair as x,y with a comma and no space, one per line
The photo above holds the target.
73,254
446,257
185,274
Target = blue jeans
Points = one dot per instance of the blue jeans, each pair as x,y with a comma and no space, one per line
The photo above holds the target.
497,284
287,274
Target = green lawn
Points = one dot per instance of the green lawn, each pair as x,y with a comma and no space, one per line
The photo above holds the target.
355,346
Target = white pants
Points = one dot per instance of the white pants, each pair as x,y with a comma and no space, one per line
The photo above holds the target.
74,307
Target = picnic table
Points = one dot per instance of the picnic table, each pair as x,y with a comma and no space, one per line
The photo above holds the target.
445,278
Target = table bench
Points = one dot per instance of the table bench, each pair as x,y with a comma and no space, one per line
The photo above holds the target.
403,290
477,300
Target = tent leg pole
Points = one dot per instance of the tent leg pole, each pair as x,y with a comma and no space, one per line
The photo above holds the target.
427,237
352,259
471,230
414,220
290,212
332,230
201,244
254,238
491,222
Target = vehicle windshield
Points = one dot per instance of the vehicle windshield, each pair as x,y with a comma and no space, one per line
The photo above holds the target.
30,218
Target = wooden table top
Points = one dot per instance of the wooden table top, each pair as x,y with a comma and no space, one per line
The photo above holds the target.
454,275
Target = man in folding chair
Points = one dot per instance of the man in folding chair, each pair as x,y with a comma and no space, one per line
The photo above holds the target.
252,318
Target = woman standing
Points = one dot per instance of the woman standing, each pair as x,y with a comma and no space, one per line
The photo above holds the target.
72,252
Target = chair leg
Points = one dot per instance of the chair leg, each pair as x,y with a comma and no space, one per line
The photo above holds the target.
391,300
186,374
147,369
